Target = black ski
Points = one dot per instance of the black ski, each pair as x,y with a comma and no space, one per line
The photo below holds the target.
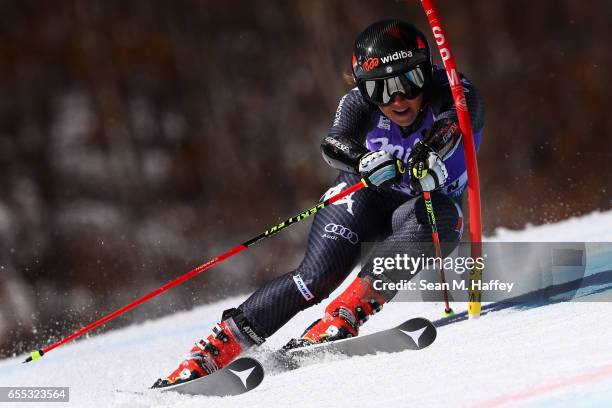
413,334
240,376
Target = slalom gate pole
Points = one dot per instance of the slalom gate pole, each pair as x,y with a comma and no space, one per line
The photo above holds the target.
431,217
36,355
469,148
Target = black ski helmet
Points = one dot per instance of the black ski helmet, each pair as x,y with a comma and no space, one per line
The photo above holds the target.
389,48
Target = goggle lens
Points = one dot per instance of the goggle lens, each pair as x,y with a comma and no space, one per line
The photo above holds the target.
381,91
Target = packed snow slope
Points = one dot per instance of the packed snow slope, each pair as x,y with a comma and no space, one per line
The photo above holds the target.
546,355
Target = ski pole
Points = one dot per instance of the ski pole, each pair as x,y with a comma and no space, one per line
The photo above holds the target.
36,355
436,240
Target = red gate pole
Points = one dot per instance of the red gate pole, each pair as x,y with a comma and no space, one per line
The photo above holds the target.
469,147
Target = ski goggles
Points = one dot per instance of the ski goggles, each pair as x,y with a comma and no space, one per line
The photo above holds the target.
380,91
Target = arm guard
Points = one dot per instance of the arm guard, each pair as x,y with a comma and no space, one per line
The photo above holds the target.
344,146
444,136
342,153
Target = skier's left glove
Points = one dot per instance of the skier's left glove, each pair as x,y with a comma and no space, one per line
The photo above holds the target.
427,170
380,169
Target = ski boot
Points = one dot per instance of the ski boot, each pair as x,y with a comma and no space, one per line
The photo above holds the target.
228,340
343,315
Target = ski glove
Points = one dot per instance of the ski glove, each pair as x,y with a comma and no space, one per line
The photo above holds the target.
380,169
427,170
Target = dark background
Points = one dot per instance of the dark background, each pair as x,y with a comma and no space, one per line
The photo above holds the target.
138,139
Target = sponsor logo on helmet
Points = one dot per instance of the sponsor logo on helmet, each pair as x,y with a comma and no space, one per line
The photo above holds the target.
341,231
371,63
397,55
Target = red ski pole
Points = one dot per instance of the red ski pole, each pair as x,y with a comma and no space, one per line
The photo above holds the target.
36,355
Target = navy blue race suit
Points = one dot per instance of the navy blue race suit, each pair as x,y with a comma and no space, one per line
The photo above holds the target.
394,216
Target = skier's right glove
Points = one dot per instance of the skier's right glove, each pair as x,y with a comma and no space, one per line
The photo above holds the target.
380,169
427,170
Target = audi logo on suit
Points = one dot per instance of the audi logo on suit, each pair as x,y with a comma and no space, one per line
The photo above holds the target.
343,232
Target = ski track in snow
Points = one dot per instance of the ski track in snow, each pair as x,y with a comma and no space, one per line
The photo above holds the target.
556,355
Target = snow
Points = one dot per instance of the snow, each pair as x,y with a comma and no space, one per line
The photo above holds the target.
554,355
594,227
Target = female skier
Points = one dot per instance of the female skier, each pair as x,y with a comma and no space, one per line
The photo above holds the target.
400,115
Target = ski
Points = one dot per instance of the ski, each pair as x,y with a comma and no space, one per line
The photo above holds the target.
413,334
245,374
240,376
